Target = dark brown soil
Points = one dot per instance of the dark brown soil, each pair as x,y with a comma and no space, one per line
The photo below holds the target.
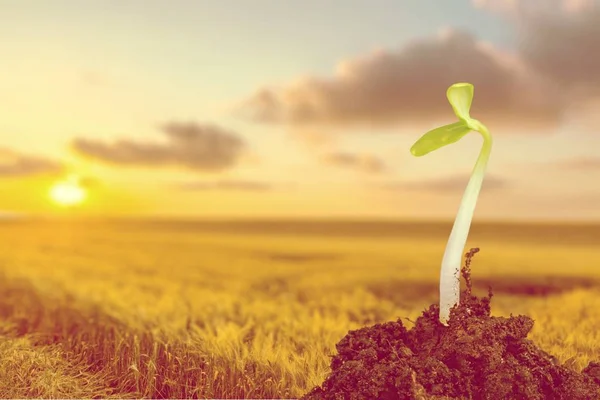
476,357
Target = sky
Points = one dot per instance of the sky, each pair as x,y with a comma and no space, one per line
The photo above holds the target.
298,109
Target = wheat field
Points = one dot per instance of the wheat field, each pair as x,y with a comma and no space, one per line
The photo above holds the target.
134,309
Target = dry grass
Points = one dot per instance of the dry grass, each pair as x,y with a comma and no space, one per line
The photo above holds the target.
42,371
98,311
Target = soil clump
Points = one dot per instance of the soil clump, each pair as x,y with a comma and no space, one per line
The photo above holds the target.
476,356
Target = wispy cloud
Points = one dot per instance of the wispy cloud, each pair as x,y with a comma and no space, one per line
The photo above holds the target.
226,185
14,164
450,184
355,161
189,145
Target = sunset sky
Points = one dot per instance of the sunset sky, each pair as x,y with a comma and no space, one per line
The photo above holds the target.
274,108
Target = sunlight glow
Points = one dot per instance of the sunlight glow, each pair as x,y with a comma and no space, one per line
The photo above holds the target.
68,193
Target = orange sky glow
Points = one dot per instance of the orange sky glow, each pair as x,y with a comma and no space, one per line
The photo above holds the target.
229,110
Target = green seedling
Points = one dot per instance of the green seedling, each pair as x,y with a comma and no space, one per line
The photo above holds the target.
460,96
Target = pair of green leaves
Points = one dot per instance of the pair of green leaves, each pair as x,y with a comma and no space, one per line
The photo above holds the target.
460,96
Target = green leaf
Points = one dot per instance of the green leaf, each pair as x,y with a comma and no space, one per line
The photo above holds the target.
460,96
439,137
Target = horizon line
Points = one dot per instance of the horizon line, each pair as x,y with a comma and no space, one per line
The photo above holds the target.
15,216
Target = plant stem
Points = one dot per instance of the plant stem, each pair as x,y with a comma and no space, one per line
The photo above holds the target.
450,272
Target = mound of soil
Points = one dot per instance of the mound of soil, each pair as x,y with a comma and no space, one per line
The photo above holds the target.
476,356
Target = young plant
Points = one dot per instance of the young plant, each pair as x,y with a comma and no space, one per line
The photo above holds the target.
460,96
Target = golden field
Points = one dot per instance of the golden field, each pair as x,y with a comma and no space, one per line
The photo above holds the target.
254,310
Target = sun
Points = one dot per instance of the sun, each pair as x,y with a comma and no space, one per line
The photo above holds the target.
68,193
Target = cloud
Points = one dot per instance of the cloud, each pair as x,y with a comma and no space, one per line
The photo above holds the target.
13,164
246,186
551,76
450,184
565,49
391,87
189,145
360,162
558,39
518,8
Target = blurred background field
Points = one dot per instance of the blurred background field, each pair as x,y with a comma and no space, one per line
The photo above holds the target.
254,309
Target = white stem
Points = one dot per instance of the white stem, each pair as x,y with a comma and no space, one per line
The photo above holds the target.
451,263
